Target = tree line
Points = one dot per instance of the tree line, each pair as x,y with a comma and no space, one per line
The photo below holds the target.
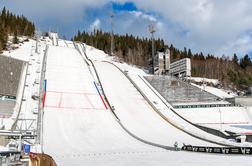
232,72
127,48
15,25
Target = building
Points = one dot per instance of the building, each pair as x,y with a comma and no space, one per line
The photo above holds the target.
162,62
181,68
12,71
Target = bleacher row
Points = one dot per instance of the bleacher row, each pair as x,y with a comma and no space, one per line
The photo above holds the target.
177,91
10,72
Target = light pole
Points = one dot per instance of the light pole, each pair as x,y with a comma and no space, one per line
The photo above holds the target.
220,119
112,34
152,31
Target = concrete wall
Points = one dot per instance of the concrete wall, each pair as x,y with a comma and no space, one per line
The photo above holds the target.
10,72
245,101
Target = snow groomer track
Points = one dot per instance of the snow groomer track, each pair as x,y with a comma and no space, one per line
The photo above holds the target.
80,129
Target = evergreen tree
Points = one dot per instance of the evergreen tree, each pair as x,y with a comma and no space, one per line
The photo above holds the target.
15,38
245,61
189,53
235,59
137,51
11,24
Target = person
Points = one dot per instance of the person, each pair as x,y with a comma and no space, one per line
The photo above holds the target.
176,146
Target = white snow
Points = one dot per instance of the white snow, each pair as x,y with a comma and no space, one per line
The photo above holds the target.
23,52
217,92
135,113
220,118
203,80
134,73
75,131
79,130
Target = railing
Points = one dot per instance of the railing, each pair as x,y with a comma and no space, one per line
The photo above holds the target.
41,94
205,106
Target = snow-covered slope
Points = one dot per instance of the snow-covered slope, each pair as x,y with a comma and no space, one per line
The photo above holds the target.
135,113
77,126
79,130
134,73
217,92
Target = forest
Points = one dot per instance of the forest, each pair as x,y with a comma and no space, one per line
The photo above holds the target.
233,72
13,25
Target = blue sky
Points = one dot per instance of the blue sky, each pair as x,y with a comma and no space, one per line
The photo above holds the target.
210,26
127,6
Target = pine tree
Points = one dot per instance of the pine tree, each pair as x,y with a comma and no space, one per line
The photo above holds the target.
245,61
11,24
15,38
189,53
235,59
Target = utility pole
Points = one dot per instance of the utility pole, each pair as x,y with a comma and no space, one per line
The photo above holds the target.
152,31
37,36
220,120
112,34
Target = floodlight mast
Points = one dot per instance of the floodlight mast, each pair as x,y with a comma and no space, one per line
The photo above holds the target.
112,34
152,31
37,38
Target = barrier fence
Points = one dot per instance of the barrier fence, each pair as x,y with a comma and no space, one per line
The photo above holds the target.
219,150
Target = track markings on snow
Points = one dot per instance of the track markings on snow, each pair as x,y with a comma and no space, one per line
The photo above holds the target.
65,92
74,108
66,100
100,96
125,153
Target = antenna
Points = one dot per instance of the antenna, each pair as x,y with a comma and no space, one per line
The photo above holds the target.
112,33
152,30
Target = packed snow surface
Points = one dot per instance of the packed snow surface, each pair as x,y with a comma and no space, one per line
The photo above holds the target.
79,130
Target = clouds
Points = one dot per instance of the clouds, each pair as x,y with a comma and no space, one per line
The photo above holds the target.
95,25
211,26
243,45
65,10
142,15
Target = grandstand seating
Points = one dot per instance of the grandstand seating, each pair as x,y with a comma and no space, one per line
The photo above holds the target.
10,72
178,91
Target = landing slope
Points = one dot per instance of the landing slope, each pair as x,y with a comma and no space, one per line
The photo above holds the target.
77,127
135,112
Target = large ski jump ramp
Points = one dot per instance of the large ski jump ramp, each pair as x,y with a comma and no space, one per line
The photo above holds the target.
135,112
77,127
79,130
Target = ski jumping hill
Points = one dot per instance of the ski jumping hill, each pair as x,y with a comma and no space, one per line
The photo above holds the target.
94,115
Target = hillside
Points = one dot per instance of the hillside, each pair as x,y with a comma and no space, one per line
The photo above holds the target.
13,25
233,73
